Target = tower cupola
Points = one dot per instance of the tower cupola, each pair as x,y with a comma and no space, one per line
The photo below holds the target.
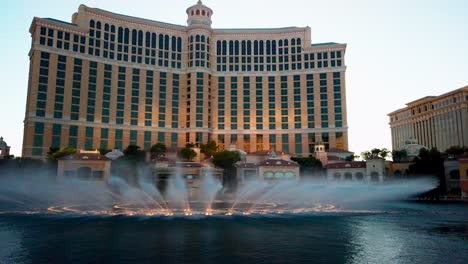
199,15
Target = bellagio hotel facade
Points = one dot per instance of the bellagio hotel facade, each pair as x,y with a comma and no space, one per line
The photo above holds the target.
108,81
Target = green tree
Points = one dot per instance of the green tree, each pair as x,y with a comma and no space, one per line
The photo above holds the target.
456,151
430,163
133,152
187,153
209,148
157,150
375,153
398,155
55,153
227,159
308,166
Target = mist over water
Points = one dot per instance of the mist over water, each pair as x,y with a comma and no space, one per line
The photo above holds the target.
44,194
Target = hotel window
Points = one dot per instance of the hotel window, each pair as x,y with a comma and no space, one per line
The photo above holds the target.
56,135
323,100
91,104
118,139
337,99
38,139
311,141
73,136
134,109
120,96
285,142
133,137
43,84
106,93
104,138
76,90
89,134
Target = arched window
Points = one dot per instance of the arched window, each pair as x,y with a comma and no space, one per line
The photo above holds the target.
153,40
120,35
268,47
161,41
203,13
127,36
191,13
202,38
348,176
273,47
198,12
244,47
112,29
337,176
289,175
279,175
293,42
262,51
236,47
140,38
197,38
359,176
174,43
218,47
148,39
98,25
106,27
134,37
231,47
249,47
298,41
280,43
224,47
91,23
166,42
256,47
268,175
179,44
286,43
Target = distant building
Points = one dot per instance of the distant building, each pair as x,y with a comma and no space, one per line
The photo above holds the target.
106,81
371,170
273,168
434,121
464,177
85,165
4,149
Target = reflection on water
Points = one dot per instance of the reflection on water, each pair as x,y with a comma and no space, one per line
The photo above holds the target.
406,233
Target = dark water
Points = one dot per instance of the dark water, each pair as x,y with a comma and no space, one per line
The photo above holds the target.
404,233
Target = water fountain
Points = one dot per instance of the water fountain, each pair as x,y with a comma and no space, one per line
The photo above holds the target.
203,195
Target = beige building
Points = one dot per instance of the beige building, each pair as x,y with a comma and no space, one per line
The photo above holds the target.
107,81
434,121
85,165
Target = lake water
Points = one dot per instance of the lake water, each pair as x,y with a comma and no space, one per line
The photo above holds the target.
402,233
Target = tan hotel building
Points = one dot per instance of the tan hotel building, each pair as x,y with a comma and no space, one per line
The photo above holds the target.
107,80
434,121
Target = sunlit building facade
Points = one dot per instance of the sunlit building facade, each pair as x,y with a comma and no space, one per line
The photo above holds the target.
433,121
107,81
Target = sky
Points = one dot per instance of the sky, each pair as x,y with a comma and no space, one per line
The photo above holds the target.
397,50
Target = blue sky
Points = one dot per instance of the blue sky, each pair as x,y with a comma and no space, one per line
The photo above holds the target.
398,51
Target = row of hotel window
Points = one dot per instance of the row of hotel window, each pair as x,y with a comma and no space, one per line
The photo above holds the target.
166,51
285,107
76,96
429,107
150,138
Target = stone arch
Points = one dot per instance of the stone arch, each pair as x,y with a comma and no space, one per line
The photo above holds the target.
348,176
359,176
337,176
198,12
374,176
